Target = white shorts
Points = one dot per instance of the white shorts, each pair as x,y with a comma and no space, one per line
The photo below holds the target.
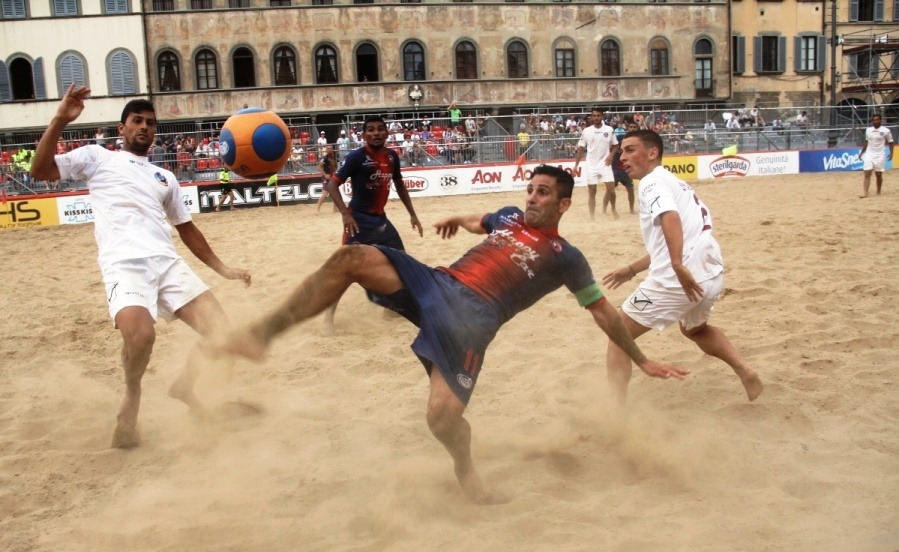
162,285
653,306
873,162
599,175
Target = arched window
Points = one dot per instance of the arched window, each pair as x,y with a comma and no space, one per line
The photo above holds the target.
702,56
610,58
22,80
466,60
207,71
243,65
517,60
285,69
71,69
168,71
413,61
658,57
565,61
122,73
325,65
367,63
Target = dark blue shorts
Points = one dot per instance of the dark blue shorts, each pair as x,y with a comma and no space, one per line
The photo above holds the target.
623,178
455,324
374,230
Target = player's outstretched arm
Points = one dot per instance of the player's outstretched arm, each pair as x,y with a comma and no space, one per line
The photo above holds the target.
674,239
407,202
196,242
447,227
609,321
43,164
614,279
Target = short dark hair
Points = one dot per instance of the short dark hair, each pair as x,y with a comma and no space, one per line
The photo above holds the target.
650,139
598,108
564,180
136,106
373,119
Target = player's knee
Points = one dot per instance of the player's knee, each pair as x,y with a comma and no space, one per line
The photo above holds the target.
350,258
140,338
442,416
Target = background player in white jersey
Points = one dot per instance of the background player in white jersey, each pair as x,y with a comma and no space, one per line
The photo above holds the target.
876,149
686,270
600,144
143,275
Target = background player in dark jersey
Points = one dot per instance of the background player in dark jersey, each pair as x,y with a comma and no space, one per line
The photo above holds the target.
621,176
370,170
460,308
327,165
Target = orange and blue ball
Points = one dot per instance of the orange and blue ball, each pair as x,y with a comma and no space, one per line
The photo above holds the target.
254,142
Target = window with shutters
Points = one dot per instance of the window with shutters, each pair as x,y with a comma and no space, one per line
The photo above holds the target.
238,3
809,54
864,66
413,61
22,80
466,60
865,10
115,6
517,60
278,3
168,70
564,58
65,8
610,58
163,5
285,69
769,54
325,65
201,4
13,9
71,69
122,73
738,54
206,70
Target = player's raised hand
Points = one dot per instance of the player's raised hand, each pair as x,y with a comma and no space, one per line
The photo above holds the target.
447,228
72,103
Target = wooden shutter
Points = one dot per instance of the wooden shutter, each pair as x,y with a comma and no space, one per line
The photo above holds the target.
5,84
40,82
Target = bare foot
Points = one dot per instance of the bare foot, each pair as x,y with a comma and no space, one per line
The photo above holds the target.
475,490
862,196
615,215
182,389
245,342
125,436
753,385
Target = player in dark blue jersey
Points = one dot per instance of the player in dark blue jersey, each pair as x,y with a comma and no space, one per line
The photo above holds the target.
460,308
370,170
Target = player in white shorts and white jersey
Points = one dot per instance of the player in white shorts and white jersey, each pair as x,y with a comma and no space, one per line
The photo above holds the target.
144,276
876,149
686,270
600,144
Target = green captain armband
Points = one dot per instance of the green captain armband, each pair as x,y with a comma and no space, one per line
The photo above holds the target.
589,295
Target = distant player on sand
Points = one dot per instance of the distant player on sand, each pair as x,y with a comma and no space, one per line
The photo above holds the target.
876,150
460,308
144,276
686,270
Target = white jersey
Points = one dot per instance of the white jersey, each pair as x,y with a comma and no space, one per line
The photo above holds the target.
660,192
130,199
598,143
877,139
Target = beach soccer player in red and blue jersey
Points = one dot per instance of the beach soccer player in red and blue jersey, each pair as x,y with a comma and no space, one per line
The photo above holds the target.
459,309
370,171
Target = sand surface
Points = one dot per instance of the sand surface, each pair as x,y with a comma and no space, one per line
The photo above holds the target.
339,456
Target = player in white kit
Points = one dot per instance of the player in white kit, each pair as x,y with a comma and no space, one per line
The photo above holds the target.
876,149
686,270
600,144
144,276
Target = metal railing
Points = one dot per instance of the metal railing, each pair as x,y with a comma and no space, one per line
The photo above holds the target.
492,141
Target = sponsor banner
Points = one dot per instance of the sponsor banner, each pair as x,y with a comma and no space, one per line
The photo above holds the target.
685,167
28,213
843,159
75,209
748,164
290,190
